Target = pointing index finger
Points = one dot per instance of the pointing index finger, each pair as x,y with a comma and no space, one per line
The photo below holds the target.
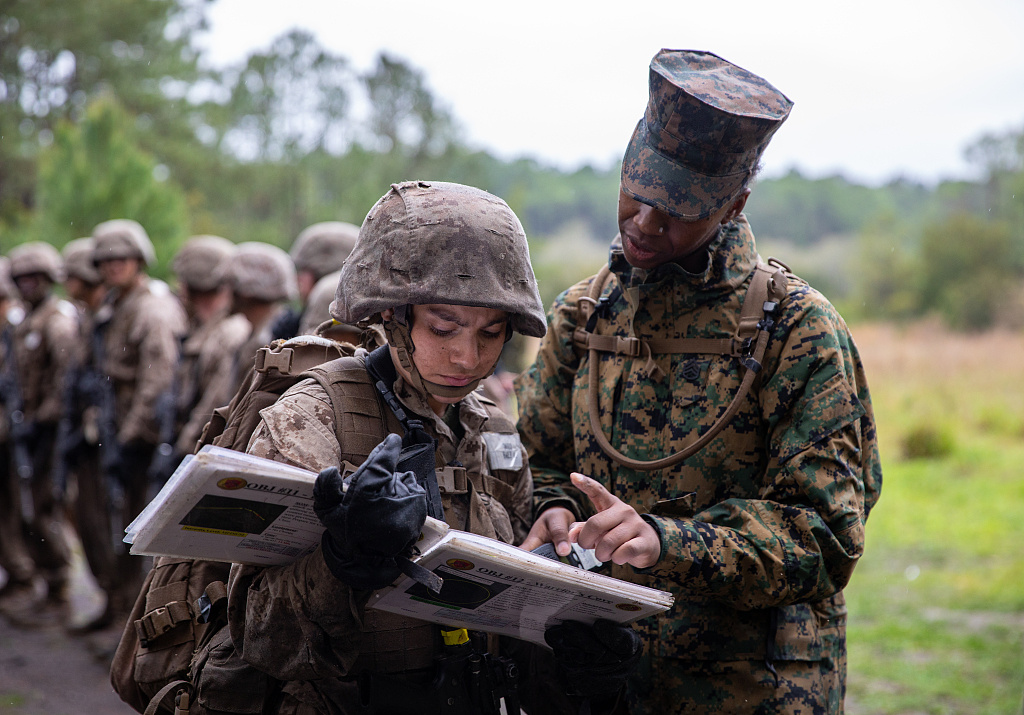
599,496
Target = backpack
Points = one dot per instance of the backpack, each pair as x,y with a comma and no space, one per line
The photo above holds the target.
177,625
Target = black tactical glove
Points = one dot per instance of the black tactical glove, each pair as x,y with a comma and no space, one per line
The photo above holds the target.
378,517
594,660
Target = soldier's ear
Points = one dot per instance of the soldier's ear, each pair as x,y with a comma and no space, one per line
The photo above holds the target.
736,208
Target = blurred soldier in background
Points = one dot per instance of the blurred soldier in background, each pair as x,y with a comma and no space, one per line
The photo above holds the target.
79,435
46,346
262,279
22,584
318,305
136,341
320,249
214,337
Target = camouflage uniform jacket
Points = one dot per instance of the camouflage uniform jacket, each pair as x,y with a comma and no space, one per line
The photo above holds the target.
140,355
301,625
760,530
206,373
46,346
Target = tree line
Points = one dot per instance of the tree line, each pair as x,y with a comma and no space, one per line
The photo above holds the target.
108,109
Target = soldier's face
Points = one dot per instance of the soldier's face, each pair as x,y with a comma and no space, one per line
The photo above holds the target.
651,237
456,344
33,287
119,272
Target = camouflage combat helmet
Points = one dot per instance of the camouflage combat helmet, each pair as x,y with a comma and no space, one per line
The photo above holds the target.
78,261
202,263
435,242
706,126
323,247
122,238
262,271
37,257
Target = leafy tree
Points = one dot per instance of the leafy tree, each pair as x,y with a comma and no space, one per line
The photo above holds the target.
283,103
968,267
56,55
96,171
404,115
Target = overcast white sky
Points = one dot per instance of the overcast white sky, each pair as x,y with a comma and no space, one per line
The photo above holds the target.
881,87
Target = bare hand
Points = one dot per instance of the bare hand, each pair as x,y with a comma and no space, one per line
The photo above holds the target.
552,526
616,532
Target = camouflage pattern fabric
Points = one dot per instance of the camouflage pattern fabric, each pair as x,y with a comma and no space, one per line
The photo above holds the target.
321,620
706,126
46,345
140,354
206,373
762,529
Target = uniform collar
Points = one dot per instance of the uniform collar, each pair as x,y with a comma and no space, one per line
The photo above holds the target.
731,257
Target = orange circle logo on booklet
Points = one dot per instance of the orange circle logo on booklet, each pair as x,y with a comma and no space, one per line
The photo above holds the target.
627,606
460,564
232,483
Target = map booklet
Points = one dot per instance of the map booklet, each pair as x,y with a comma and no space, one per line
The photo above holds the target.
223,505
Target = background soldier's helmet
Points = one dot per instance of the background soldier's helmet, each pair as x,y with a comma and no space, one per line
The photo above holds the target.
323,247
7,287
37,257
78,261
202,263
122,238
435,242
262,271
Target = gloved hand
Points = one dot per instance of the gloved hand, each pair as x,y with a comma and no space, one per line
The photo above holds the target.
594,660
378,517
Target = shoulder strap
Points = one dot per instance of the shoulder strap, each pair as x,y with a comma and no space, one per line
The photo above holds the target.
360,419
767,288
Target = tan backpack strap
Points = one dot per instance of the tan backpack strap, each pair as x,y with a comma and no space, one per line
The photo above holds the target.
588,303
182,690
766,290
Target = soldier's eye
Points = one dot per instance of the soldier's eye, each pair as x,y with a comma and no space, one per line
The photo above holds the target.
441,333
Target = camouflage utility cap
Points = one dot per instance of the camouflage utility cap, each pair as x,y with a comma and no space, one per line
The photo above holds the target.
122,238
37,257
323,247
78,261
699,142
202,262
262,271
436,242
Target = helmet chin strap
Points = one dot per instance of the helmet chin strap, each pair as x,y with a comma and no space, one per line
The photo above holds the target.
399,335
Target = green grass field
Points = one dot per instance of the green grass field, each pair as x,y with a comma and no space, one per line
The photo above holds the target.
937,602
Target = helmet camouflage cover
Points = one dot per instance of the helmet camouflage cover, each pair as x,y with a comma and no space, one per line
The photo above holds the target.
436,242
37,257
323,247
202,262
262,271
78,261
122,238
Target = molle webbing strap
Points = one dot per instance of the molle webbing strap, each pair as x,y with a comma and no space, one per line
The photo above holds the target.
767,288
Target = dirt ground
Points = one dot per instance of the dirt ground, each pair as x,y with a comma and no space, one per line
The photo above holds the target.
47,671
